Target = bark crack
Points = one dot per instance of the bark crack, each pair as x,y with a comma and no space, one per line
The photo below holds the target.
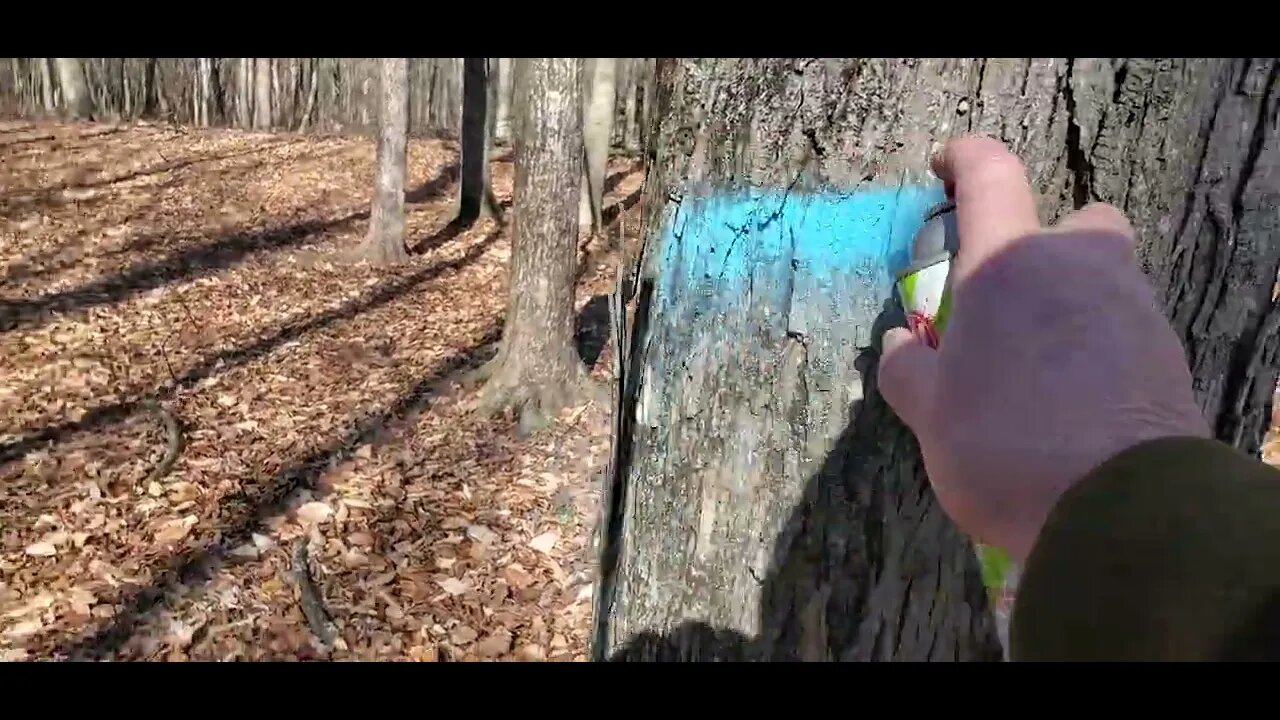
1078,164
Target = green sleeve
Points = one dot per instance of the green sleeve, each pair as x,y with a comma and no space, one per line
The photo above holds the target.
1168,551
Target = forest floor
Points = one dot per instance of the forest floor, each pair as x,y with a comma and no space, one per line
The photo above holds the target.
152,275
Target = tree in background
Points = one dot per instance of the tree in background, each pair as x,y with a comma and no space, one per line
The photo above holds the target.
262,93
77,103
476,197
537,371
385,241
765,503
598,111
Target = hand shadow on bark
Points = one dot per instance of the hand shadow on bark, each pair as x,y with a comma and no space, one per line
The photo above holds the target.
867,568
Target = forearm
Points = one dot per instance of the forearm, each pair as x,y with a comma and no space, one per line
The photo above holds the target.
1169,551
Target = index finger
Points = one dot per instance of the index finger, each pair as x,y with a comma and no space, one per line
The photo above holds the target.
993,198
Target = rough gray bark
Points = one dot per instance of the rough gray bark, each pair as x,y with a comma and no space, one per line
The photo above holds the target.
262,94
244,94
765,503
597,129
475,193
537,371
77,103
385,241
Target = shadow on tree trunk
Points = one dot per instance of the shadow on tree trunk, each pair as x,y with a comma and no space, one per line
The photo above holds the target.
857,568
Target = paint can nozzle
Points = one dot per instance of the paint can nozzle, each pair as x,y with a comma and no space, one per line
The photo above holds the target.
924,284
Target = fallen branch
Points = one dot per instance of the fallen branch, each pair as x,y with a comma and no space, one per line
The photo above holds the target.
309,597
173,435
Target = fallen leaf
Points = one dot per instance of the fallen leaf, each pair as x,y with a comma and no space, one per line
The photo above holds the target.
454,586
24,629
247,550
481,534
462,635
314,512
42,549
262,542
545,542
175,530
531,652
363,539
516,576
496,644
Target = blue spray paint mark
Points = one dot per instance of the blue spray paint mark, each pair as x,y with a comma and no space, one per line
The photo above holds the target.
715,244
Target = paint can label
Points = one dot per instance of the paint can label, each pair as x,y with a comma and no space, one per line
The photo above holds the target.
926,297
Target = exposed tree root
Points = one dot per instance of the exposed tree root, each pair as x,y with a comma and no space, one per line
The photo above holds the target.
173,436
535,405
312,605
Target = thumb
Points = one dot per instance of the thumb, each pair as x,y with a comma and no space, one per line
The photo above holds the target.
908,374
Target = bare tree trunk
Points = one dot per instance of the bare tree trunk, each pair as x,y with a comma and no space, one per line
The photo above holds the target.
244,96
502,132
46,86
475,193
537,371
312,94
262,94
77,104
765,503
629,121
385,242
597,130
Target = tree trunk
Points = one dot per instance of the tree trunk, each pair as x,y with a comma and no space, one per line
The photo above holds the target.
537,371
597,130
77,103
629,121
475,195
244,101
46,86
385,242
502,129
648,77
262,94
764,502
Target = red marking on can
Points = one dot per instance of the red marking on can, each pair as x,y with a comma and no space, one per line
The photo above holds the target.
921,326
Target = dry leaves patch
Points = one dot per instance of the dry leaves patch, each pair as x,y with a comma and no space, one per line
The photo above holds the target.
319,400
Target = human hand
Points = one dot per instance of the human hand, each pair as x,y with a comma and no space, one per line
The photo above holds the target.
1055,356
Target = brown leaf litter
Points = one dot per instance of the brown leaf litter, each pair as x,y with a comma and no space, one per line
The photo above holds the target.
318,402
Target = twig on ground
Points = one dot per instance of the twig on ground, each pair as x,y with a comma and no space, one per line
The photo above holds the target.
309,597
174,441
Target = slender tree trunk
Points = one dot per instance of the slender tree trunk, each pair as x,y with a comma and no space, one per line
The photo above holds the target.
502,133
77,103
597,129
312,94
629,122
765,503
46,86
475,195
537,371
262,94
244,101
385,242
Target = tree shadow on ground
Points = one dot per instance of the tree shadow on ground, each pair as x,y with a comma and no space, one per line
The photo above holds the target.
591,329
435,187
864,559
230,358
186,264
240,513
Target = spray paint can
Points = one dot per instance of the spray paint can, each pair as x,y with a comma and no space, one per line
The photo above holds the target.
924,287
924,284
